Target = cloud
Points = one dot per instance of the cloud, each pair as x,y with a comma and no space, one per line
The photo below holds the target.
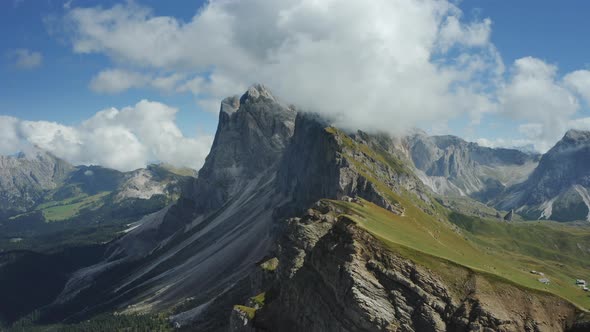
25,59
117,80
124,139
474,34
357,62
580,123
579,81
9,138
378,65
521,144
534,94
111,81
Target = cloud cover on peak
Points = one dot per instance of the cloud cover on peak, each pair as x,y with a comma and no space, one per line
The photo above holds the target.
386,65
383,65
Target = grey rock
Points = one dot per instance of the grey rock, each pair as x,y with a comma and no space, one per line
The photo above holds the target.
26,177
451,166
201,250
558,188
509,216
345,280
240,322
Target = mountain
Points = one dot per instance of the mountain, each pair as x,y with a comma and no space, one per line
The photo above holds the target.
452,166
48,203
25,177
293,224
558,188
266,163
211,238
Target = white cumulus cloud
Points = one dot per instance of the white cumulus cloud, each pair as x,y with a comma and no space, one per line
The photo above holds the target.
382,65
117,80
124,139
579,81
379,64
535,94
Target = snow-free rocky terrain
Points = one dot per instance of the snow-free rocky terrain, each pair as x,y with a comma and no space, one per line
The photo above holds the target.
295,225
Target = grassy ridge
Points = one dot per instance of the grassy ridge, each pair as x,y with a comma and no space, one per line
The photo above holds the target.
424,240
442,240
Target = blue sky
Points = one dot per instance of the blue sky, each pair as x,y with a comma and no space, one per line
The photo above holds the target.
59,87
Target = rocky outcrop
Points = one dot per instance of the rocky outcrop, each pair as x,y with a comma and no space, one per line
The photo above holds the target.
334,276
151,181
509,216
322,162
252,133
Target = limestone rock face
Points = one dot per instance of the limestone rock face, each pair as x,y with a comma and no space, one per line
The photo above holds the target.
334,276
320,163
252,133
452,166
552,186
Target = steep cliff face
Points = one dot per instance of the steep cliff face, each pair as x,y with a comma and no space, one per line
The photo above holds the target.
324,162
191,256
334,276
253,131
558,188
452,166
26,177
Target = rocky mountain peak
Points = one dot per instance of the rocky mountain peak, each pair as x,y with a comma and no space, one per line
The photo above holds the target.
577,136
572,142
257,92
557,189
253,131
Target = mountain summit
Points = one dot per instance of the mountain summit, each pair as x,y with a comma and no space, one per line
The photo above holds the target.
558,188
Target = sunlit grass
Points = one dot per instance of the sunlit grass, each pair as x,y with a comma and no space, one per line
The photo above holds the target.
69,208
425,240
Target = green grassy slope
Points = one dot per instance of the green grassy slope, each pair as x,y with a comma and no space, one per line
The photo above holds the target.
69,208
505,254
430,234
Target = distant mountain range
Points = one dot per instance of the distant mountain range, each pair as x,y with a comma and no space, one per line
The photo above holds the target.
41,195
293,224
